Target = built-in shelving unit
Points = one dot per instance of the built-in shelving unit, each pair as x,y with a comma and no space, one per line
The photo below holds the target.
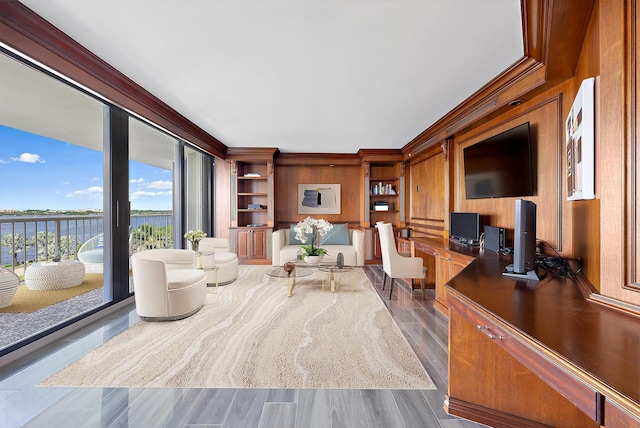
252,200
384,199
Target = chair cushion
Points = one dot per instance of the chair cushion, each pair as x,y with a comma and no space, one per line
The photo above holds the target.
92,256
294,241
181,278
338,235
225,257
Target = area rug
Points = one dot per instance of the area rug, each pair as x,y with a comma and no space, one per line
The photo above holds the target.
27,300
251,335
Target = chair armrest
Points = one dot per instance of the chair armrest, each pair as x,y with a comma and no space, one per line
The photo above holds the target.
357,240
278,241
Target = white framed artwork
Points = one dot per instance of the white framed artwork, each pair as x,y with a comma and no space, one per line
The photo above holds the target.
318,198
580,136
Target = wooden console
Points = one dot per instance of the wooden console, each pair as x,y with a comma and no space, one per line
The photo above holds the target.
538,353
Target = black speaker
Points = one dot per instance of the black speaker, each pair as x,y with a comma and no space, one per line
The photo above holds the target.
524,241
494,238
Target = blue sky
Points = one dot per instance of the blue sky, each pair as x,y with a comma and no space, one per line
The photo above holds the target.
41,173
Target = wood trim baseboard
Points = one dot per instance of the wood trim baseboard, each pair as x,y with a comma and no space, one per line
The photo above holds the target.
485,415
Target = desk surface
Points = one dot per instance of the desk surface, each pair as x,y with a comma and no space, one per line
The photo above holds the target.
600,342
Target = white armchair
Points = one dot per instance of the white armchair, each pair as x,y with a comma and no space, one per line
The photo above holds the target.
216,252
168,286
395,265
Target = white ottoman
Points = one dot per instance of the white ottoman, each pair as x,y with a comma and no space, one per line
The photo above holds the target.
54,275
9,282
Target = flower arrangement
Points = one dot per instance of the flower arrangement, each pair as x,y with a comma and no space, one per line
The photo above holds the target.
311,226
194,236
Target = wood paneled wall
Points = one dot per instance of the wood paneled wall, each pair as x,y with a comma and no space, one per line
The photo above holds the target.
287,178
427,192
544,115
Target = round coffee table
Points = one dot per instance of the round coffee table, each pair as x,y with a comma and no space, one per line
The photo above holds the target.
54,275
331,270
299,272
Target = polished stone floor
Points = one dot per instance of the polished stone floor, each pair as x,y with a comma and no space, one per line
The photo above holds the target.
23,403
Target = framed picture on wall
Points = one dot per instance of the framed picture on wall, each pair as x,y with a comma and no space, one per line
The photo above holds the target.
318,199
580,152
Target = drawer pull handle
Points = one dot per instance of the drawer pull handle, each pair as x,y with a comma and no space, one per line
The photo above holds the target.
486,331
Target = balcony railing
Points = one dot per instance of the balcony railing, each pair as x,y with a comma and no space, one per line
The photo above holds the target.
25,240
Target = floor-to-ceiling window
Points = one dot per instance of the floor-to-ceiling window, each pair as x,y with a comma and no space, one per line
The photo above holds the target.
98,184
197,195
51,203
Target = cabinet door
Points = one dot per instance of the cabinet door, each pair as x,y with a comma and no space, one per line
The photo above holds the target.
244,243
443,274
376,251
258,244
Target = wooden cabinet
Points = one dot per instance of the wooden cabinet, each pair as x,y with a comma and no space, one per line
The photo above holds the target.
251,203
384,185
252,195
251,243
384,197
480,359
449,259
538,353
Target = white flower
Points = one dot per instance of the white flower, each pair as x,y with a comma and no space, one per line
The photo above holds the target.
309,226
195,235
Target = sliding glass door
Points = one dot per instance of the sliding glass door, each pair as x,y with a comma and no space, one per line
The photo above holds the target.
51,205
85,185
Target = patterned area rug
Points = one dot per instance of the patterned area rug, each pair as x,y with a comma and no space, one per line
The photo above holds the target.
251,335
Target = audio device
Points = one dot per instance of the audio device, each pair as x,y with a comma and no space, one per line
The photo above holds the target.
494,238
524,242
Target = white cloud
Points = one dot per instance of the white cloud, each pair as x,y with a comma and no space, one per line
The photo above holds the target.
29,158
2,161
93,192
142,194
136,180
96,178
161,185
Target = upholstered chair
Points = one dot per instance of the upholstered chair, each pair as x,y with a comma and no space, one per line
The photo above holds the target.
167,284
216,252
394,264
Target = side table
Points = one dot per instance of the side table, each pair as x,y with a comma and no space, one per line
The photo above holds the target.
54,275
208,270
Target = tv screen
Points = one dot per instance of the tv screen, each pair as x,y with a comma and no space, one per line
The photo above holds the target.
500,166
465,227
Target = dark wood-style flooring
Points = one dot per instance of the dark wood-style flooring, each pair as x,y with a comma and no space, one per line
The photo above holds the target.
22,403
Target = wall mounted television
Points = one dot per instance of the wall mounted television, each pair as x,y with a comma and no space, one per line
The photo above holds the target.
500,166
464,228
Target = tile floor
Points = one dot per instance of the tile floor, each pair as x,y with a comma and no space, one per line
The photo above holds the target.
22,403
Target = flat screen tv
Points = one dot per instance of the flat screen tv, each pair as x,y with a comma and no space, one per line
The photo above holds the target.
500,166
464,227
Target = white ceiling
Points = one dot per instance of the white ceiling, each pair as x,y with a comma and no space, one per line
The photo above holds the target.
324,76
